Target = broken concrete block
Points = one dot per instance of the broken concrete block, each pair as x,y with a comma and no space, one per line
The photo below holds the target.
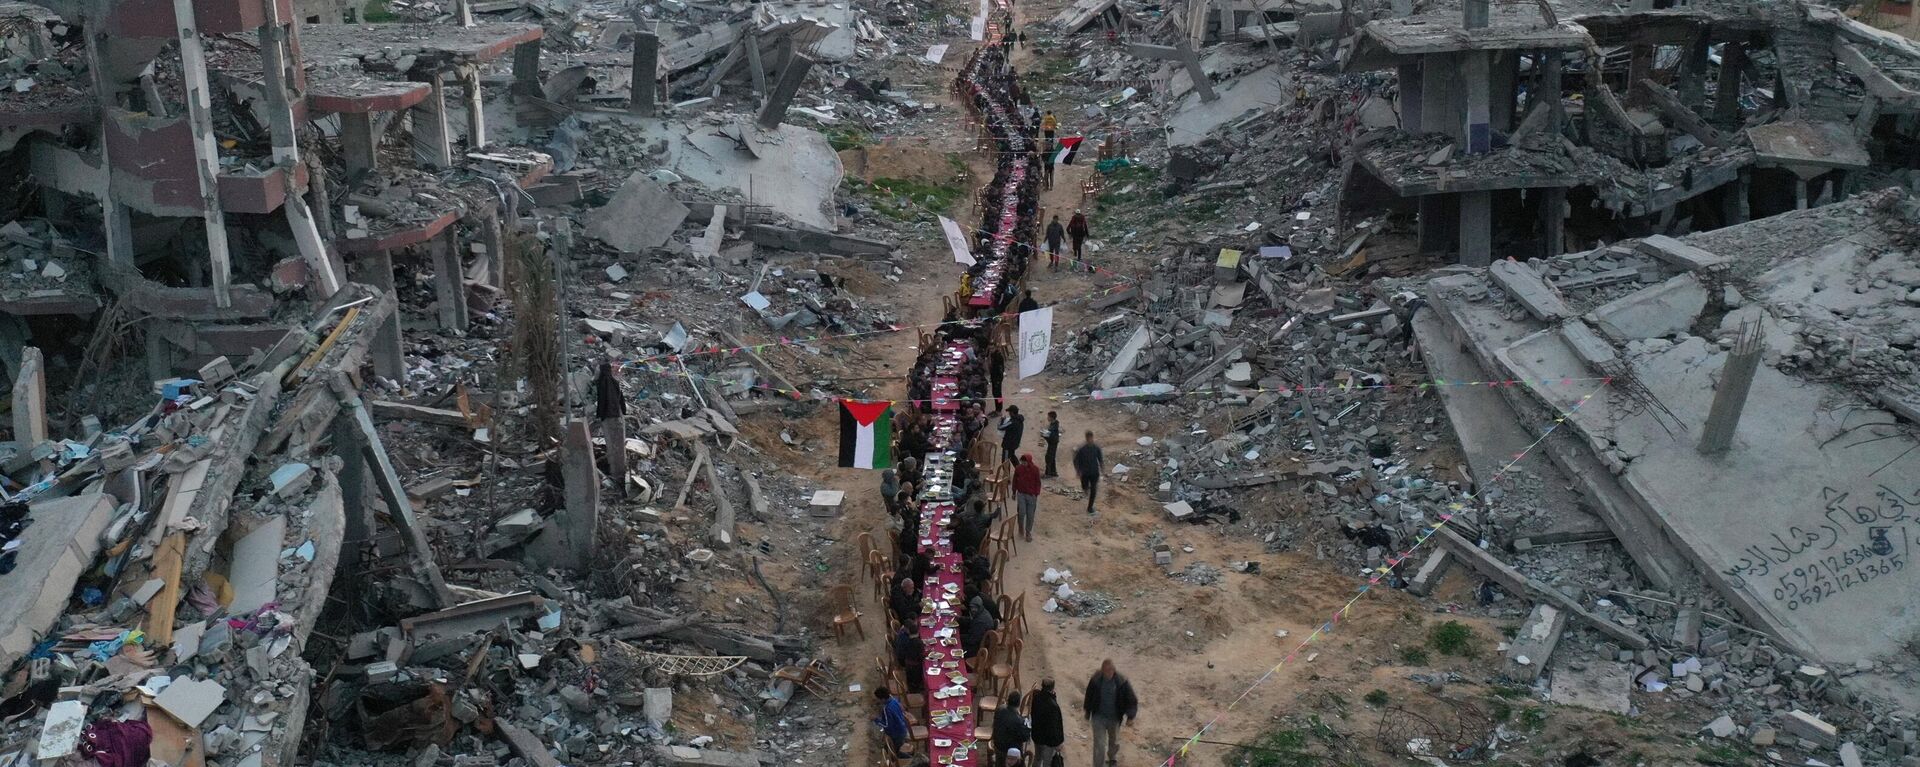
1850,755
1722,727
1656,312
291,479
640,217
60,733
1763,736
217,371
1534,643
1801,724
192,700
657,704
1430,572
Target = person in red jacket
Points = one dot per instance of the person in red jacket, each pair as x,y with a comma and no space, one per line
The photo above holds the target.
1026,490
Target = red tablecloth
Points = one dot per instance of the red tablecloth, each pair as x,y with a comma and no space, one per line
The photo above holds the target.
950,714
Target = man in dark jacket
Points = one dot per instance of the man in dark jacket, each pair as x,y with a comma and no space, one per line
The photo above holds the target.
1049,727
909,653
1052,436
1009,728
1078,229
1109,701
1088,463
1012,429
1056,234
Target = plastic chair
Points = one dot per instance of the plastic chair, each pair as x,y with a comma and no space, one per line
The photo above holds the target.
841,599
1006,673
865,542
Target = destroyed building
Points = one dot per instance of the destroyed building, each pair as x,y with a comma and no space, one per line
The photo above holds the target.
440,383
1568,123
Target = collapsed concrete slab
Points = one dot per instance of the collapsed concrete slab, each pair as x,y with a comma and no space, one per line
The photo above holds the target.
640,217
1796,524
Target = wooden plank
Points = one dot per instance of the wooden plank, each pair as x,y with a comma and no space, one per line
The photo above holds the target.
167,561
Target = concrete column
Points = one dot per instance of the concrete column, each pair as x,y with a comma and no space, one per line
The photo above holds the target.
1553,219
353,477
1476,228
389,355
1439,223
646,62
526,67
1479,85
476,107
580,518
1639,67
431,146
206,154
1693,72
614,432
322,204
790,78
1551,84
1441,103
1197,73
118,224
159,357
1800,195
756,68
490,233
1503,87
449,280
1736,379
1410,98
356,138
1726,104
30,398
1738,208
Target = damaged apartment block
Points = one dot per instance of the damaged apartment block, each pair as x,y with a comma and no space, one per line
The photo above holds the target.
1532,128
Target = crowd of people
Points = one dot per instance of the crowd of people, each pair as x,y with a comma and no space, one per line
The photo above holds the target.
954,414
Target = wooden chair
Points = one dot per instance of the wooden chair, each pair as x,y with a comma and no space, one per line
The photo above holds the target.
1000,566
841,600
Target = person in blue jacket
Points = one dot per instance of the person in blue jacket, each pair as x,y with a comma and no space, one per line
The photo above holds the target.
892,721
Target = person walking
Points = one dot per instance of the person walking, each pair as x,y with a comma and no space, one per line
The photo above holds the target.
1010,731
1077,230
1051,434
1109,702
1049,124
892,721
1055,235
1088,463
1048,727
1026,493
1013,428
997,372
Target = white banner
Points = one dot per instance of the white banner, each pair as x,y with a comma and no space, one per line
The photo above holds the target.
1036,338
936,52
957,240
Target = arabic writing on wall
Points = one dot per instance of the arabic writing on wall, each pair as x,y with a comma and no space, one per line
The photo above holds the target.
1860,538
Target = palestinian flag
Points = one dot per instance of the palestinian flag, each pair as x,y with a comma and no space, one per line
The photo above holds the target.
866,434
1068,146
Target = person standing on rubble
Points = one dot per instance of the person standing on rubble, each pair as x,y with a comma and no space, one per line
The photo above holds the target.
1108,701
1049,124
1026,493
1055,232
1077,230
1051,434
1088,463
